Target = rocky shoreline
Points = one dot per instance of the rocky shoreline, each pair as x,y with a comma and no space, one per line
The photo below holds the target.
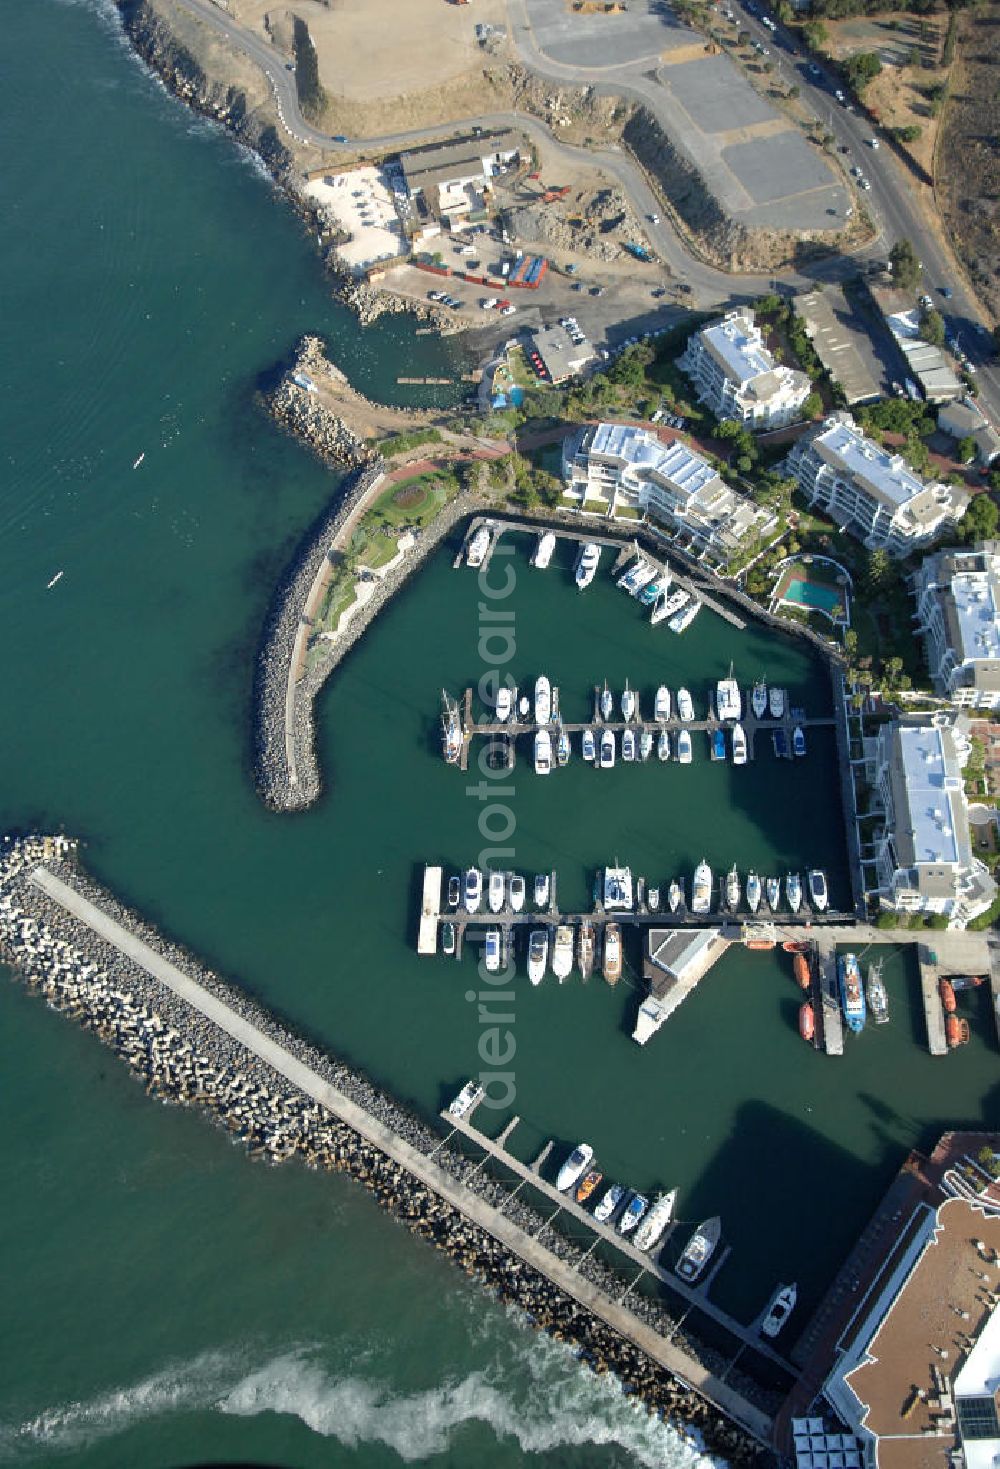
184,1058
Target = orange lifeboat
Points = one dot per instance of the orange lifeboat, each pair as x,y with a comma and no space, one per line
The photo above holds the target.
807,1022
956,1032
796,946
947,993
800,968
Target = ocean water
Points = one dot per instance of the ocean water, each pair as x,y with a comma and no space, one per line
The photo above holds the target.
175,1302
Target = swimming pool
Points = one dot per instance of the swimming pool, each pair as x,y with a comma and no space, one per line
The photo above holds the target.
812,594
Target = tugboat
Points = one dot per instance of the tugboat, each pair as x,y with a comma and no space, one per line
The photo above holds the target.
585,949
878,995
956,1032
700,1249
947,992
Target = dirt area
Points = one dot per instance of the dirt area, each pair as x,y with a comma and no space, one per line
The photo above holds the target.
595,220
967,180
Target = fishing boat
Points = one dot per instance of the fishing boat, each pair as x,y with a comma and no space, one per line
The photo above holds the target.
607,761
448,937
699,1249
473,888
610,1200
492,950
478,546
732,889
543,752
504,704
852,996
685,708
878,995
807,1021
758,699
776,702
728,703
496,891
587,1185
947,992
772,891
612,953
684,746
650,1231
956,1032
541,889
543,700
634,1210
753,892
588,745
781,1307
793,891
629,702
798,742
517,892
586,565
663,746
645,744
562,952
470,1096
585,948
718,745
454,890
538,954
653,900
701,892
562,747
739,745
682,620
818,894
661,708
574,1167
451,729
542,554
779,739
675,895
607,702
628,745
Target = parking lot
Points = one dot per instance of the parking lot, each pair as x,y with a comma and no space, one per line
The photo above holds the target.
647,28
361,204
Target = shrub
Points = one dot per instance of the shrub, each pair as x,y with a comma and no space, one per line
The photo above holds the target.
312,98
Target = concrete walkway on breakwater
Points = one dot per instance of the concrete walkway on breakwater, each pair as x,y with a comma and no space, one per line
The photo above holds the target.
480,1213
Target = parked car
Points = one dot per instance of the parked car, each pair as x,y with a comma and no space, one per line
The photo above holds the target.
946,292
507,310
873,142
339,138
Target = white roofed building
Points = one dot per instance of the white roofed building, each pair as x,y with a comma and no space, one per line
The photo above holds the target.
737,377
870,490
958,616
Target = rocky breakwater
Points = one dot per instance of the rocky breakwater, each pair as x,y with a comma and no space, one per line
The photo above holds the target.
297,403
185,1058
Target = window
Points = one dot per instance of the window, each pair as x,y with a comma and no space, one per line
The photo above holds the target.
977,1417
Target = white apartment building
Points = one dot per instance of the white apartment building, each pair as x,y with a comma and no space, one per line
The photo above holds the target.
871,491
923,853
735,375
958,616
618,467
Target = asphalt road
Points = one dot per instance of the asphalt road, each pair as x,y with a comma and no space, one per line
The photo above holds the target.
895,211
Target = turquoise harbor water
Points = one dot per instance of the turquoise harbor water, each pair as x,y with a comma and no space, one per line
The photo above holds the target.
173,1301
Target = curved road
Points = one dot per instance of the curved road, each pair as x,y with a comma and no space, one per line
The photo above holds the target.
895,210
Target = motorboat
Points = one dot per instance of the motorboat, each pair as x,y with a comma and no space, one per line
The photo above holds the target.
650,1231
852,995
562,747
739,745
492,950
585,949
684,747
629,702
454,890
758,699
609,1202
699,1249
538,954
524,706
779,739
675,895
776,702
496,891
470,1096
473,889
661,708
588,1184
819,895
793,891
543,752
574,1167
798,741
732,889
589,745
728,702
685,707
543,700
701,891
612,953
504,704
562,952
607,760
586,565
717,748
663,746
517,892
781,1307
772,891
541,889
628,745
634,1210
878,995
807,1021
448,938
478,546
645,744
653,900
542,553
607,702
753,892
682,620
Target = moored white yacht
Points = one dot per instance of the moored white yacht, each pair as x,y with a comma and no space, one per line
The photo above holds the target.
701,892
562,746
758,699
739,745
586,565
473,889
589,744
541,889
607,760
538,954
641,579
543,700
562,952
684,746
517,892
496,891
543,752
732,889
586,946
753,891
685,708
728,701
574,1167
542,554
793,891
470,1095
629,702
504,704
492,950
628,745
478,546
612,953
663,746
772,889
699,1249
661,708
650,1231
634,1210
609,1203
682,620
781,1307
645,744
776,702
607,702
454,890
669,606
798,741
818,895
675,895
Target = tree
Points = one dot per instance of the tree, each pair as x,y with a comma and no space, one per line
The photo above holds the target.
862,69
815,34
850,641
965,450
932,328
878,567
904,265
813,406
909,134
980,521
